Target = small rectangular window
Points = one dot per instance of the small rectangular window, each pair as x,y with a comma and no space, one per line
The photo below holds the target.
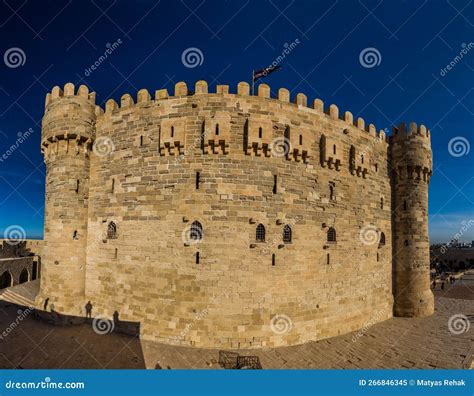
141,141
113,186
273,259
198,180
275,181
197,257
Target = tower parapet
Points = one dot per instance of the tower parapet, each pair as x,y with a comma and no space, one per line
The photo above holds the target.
68,130
411,163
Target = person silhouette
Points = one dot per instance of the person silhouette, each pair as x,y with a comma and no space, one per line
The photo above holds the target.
88,309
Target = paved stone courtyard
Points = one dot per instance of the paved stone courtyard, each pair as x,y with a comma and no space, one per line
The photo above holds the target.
395,343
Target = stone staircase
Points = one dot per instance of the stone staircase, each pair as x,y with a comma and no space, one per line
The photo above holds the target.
23,294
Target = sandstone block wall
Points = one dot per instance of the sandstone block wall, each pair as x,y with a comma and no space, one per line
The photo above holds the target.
230,162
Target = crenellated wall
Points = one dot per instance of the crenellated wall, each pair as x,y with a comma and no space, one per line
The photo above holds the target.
232,162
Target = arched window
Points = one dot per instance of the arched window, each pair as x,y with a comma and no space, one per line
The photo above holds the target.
382,239
5,280
331,235
112,230
287,234
24,276
196,231
260,233
332,194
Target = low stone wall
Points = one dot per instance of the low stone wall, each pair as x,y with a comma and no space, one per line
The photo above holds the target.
14,271
27,247
20,261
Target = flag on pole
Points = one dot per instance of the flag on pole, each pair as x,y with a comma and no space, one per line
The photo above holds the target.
257,75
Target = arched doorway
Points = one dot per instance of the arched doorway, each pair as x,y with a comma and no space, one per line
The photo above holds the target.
5,280
24,276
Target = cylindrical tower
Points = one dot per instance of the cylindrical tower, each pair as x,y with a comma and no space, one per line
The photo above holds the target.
411,161
68,131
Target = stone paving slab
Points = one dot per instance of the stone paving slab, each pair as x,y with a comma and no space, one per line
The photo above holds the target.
395,343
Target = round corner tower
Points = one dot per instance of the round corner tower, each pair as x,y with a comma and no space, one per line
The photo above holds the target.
68,130
411,160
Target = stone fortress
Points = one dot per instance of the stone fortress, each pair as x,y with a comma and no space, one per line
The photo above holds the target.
232,220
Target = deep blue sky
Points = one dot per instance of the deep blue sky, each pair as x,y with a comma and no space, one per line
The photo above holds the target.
416,39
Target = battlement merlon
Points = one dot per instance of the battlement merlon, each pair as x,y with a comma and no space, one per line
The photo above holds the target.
69,118
263,92
83,103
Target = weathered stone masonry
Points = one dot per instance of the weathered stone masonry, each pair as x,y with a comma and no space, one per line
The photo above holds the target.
152,210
